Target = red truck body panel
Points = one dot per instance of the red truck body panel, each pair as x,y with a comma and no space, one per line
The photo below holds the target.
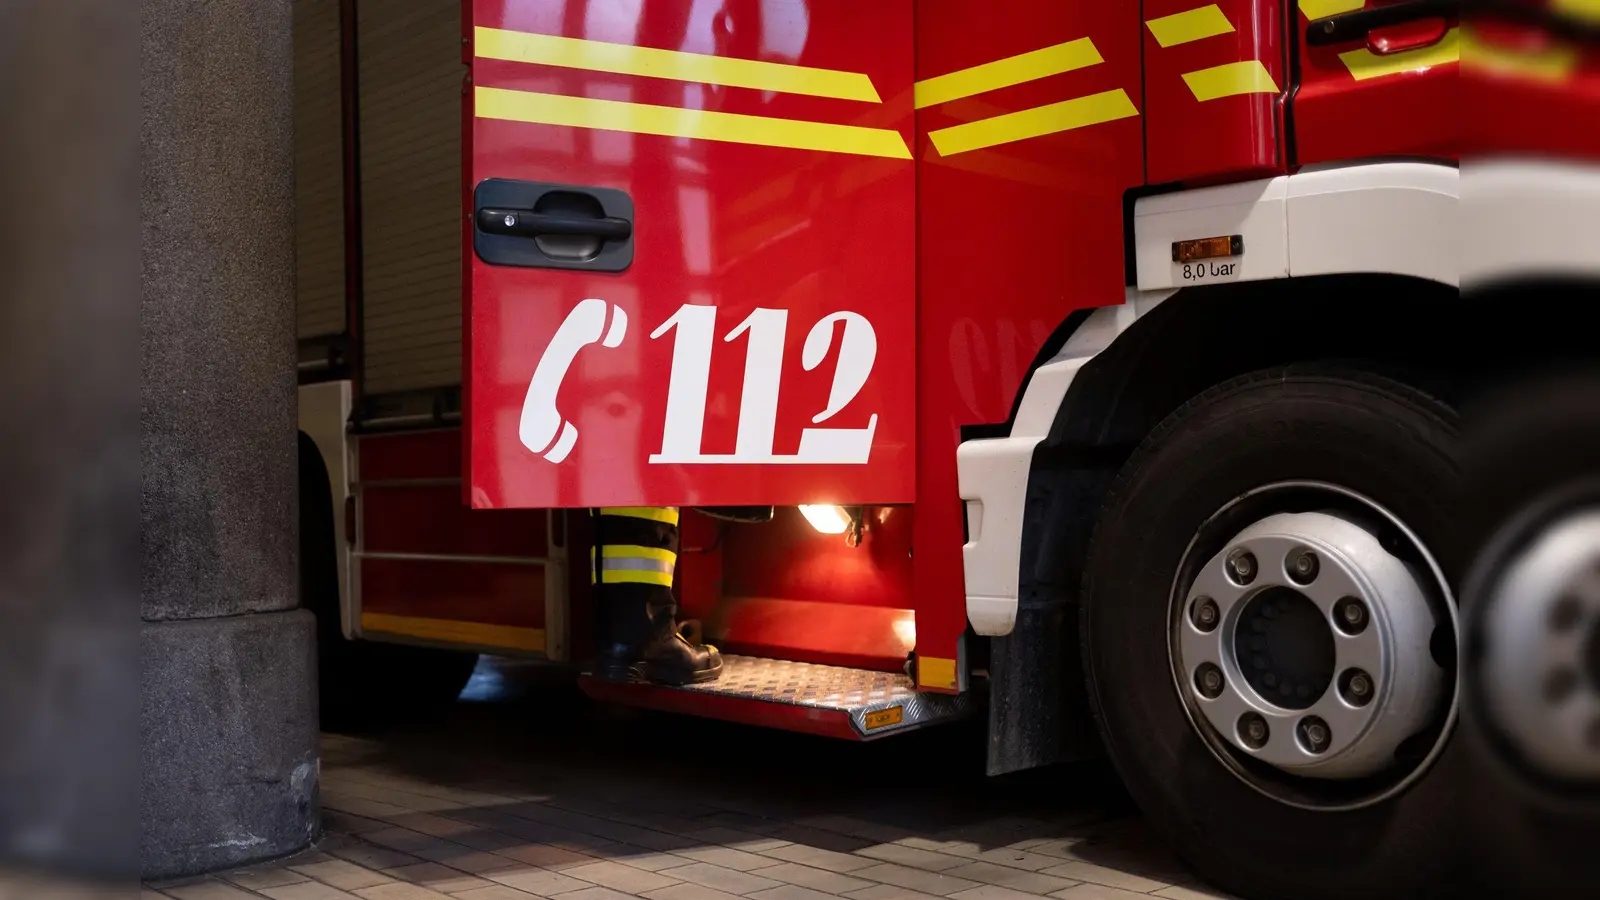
855,226
769,346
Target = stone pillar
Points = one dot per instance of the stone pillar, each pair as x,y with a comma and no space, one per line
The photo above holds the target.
229,761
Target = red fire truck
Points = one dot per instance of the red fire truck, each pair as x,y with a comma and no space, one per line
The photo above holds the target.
1098,362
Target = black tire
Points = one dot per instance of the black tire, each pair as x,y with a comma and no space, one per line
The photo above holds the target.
361,683
1533,457
1381,438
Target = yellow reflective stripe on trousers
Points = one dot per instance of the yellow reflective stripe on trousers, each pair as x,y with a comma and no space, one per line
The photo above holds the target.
631,564
664,514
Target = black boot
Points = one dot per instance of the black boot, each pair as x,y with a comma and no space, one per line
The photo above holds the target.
622,628
673,658
635,554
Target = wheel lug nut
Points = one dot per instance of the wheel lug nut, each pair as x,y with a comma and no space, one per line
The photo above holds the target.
1205,614
1208,681
1314,734
1302,566
1350,615
1356,687
1242,566
1253,730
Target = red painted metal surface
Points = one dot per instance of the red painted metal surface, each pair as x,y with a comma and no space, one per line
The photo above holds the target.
1538,88
1193,136
1011,238
412,454
721,229
701,542
832,634
787,558
493,594
787,717
1339,117
429,519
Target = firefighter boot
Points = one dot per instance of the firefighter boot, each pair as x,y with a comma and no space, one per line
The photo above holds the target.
671,657
622,628
634,556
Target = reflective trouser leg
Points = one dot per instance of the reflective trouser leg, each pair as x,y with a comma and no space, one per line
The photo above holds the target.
635,553
630,566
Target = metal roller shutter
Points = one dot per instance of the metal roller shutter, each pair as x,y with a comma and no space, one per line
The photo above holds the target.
319,171
411,80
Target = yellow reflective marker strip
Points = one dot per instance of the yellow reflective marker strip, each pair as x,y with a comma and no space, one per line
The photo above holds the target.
447,631
670,121
1191,25
935,672
1364,64
666,514
1231,80
1321,9
677,65
992,76
1552,64
1029,123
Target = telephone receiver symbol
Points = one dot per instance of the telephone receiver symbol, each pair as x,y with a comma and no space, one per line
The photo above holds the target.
541,423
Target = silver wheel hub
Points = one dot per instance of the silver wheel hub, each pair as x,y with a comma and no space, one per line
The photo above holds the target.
1305,644
1541,675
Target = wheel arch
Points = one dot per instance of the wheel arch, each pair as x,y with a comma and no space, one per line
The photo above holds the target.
319,574
1197,338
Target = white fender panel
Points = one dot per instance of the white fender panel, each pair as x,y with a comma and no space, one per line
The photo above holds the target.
1394,218
1253,209
1530,217
993,473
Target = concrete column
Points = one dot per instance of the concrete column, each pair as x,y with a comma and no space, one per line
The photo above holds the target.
229,723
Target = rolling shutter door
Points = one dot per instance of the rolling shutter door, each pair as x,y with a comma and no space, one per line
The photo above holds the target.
411,80
319,171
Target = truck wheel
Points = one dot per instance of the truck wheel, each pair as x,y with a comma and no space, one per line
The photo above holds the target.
1270,639
1531,622
361,683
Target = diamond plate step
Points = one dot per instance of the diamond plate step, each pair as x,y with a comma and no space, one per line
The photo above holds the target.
858,704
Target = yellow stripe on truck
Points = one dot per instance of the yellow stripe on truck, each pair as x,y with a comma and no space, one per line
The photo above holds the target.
1364,64
1230,80
1321,9
449,631
1029,123
1189,25
669,121
676,65
1006,72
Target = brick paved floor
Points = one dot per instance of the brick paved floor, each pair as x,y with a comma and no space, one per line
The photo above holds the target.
525,790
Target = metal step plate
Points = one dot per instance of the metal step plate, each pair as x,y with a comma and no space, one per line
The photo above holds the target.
861,704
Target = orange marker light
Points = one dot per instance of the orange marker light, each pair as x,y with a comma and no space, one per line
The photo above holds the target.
1207,248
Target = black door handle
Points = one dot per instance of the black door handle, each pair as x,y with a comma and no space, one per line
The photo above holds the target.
540,225
527,223
1354,25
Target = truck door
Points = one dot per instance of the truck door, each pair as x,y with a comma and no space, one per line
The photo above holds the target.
689,253
1377,78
